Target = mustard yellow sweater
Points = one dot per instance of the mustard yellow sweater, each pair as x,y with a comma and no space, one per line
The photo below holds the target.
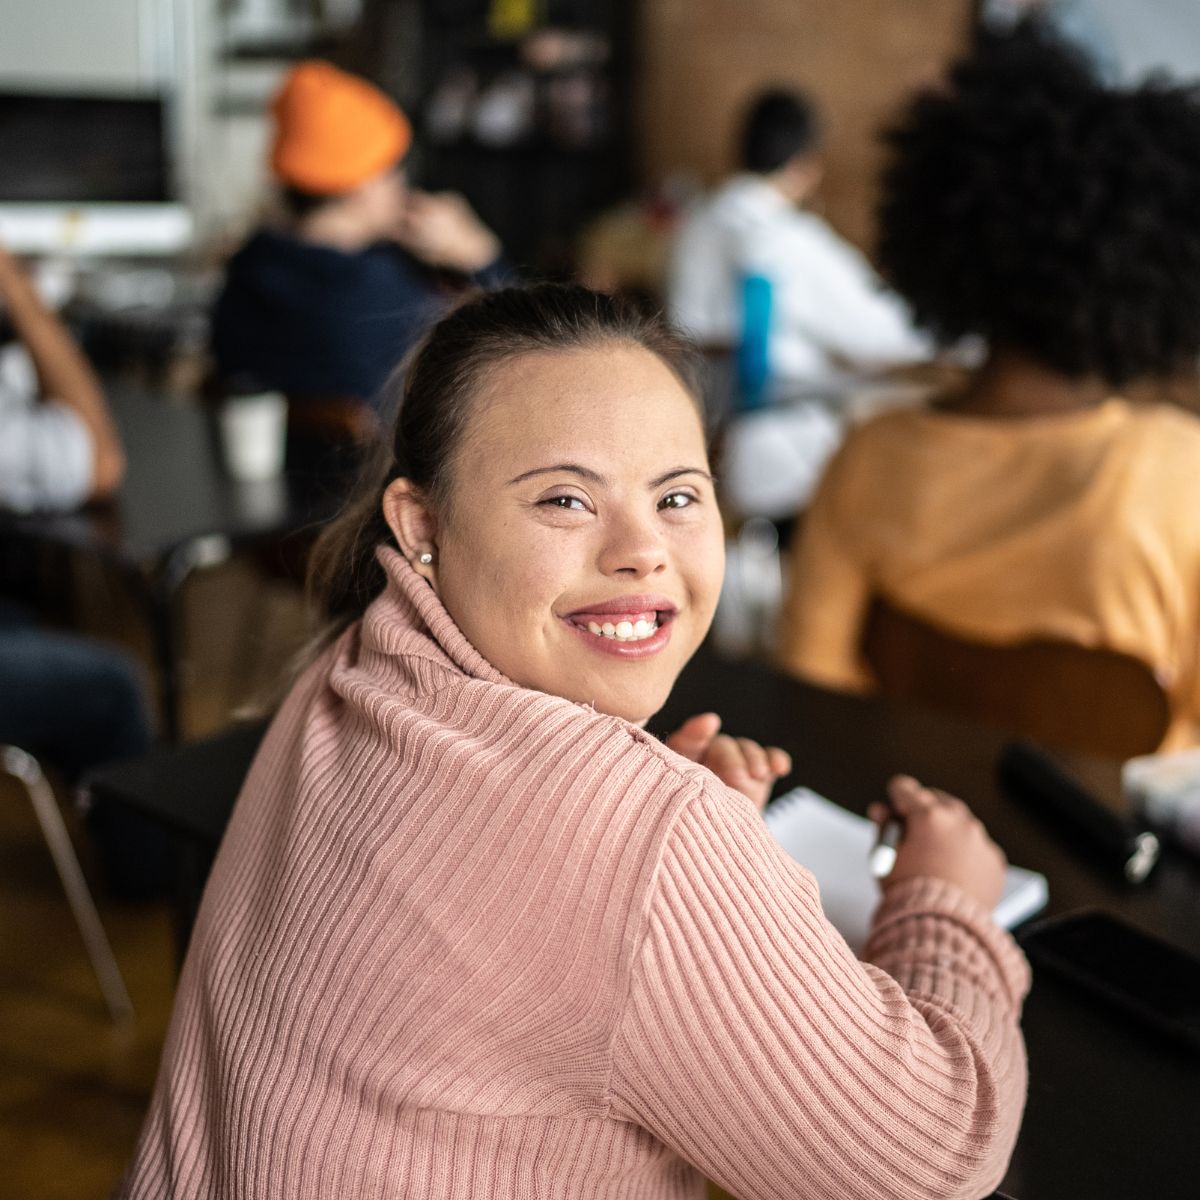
1083,526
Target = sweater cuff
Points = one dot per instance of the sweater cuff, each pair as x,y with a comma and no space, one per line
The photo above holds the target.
921,924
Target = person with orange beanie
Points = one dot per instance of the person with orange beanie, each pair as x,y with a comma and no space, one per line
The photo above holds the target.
324,302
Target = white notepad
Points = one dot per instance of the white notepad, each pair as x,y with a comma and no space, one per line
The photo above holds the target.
834,844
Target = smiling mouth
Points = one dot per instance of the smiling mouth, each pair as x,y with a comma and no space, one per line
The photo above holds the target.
626,623
636,630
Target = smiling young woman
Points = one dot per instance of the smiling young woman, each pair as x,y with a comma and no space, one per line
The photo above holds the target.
590,518
473,933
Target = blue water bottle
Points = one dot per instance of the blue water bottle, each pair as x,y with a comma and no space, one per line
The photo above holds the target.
753,361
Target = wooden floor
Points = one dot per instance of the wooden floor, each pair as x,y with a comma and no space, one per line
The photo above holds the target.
74,1087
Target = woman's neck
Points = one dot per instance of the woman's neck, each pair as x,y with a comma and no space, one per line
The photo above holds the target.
1011,385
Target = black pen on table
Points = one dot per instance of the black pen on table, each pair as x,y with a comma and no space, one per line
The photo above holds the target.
882,858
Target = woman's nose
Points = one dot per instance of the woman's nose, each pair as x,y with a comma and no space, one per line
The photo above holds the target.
632,548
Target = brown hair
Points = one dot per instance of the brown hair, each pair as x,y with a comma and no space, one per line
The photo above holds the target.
438,384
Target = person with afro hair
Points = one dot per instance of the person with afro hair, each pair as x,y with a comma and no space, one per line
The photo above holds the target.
1058,221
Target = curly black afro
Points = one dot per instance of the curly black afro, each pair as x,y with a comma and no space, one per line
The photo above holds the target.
1057,218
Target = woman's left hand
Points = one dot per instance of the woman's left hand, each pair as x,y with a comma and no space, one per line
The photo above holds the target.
739,762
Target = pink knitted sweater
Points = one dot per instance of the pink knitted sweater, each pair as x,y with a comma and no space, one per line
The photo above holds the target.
466,940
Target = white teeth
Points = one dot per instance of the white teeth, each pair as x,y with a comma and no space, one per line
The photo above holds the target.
624,631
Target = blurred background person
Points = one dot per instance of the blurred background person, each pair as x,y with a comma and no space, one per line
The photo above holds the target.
828,309
325,303
58,444
72,702
754,271
1060,221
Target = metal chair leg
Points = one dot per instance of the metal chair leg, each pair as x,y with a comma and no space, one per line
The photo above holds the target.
25,768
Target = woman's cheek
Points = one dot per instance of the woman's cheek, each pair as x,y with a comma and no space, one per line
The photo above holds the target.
703,553
533,579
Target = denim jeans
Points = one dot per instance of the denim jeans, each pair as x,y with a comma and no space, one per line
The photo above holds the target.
76,704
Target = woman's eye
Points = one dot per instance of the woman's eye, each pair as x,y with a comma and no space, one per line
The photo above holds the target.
569,503
677,500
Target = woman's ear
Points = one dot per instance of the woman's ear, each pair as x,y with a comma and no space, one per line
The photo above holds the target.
411,520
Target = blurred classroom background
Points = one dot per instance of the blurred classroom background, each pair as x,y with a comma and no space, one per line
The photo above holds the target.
134,137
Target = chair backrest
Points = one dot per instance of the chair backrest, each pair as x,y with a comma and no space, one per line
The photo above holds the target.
1075,697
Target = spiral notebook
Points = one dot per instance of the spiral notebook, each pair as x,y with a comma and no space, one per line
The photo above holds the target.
834,843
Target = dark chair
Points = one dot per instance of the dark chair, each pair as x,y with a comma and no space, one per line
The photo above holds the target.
190,790
1094,701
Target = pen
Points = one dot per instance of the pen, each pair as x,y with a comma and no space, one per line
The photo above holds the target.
883,854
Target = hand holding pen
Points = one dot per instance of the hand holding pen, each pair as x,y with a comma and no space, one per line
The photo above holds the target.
935,835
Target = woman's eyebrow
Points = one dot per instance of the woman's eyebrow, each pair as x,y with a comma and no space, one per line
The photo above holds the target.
677,472
601,480
573,468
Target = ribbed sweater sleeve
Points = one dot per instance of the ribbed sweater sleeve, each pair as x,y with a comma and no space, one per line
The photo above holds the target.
754,1043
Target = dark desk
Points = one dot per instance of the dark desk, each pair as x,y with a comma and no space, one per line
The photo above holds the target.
1111,1114
178,511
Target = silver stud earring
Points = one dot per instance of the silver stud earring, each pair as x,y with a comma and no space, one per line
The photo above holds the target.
425,558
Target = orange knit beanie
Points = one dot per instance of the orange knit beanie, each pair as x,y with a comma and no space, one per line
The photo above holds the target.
334,131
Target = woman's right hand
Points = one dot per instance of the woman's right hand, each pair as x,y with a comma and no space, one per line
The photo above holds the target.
942,840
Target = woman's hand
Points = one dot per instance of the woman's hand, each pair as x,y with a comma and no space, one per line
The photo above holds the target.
942,840
739,762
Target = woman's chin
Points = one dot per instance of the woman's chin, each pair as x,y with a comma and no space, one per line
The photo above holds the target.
633,695
631,690
634,705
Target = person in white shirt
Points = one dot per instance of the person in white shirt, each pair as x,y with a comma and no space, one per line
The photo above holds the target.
831,322
59,446
830,314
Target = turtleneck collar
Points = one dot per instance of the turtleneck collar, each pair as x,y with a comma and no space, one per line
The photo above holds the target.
408,607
